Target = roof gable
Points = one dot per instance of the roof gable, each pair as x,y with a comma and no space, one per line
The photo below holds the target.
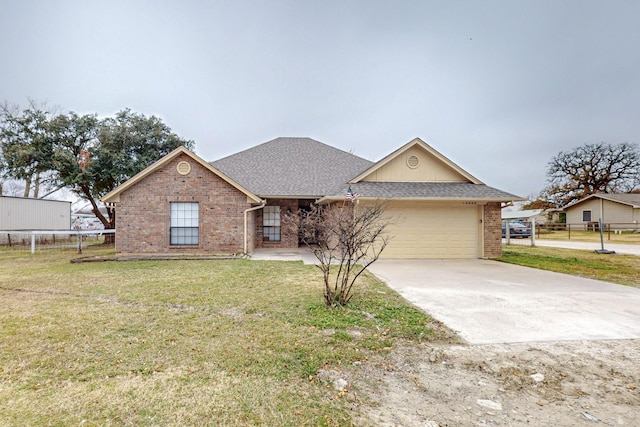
416,161
292,168
114,195
630,199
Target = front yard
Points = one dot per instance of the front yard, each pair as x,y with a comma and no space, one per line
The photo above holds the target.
238,342
228,342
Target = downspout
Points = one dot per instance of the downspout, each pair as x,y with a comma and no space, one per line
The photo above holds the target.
255,208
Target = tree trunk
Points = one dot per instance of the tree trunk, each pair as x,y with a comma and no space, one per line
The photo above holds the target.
108,223
110,239
36,187
27,187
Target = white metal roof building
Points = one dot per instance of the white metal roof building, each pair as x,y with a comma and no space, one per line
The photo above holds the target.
19,213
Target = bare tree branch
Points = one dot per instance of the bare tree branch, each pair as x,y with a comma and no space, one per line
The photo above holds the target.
346,239
592,168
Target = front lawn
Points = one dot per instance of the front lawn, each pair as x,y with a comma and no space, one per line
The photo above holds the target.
223,342
622,269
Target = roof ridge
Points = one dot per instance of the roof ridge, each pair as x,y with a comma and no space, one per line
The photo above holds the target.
289,138
292,166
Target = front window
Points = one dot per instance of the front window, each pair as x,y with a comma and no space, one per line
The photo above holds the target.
271,224
586,216
184,224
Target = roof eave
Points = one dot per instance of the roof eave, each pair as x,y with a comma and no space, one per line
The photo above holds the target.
613,199
602,196
114,195
290,197
329,199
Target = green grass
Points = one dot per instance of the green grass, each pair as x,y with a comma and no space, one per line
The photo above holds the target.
222,342
621,269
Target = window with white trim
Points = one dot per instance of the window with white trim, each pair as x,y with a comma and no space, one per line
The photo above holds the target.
271,223
586,216
184,229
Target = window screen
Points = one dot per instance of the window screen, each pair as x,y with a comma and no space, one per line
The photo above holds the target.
586,216
184,224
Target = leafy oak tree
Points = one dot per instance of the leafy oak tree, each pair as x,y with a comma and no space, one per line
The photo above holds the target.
590,169
26,150
81,152
92,157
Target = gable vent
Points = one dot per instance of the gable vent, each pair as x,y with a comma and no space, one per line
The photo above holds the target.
413,162
183,168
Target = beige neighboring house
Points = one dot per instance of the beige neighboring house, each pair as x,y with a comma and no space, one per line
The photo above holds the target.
620,211
182,204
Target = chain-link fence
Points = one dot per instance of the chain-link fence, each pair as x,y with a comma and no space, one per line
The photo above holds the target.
526,233
73,242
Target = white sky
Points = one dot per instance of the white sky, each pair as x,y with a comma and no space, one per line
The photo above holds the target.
499,87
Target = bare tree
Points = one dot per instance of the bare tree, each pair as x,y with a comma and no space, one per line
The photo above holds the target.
346,239
590,169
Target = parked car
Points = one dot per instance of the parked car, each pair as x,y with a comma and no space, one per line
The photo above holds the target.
516,229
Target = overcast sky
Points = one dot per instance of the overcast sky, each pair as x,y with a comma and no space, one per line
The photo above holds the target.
499,87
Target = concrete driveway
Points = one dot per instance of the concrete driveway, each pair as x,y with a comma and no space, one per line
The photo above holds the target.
493,302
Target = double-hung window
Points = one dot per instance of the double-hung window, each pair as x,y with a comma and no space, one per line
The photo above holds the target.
271,223
184,224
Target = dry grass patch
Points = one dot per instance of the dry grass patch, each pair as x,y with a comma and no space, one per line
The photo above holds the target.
229,342
621,269
625,237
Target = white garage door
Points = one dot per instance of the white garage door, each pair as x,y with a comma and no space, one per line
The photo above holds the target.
433,231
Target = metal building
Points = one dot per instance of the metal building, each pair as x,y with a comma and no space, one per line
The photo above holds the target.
19,213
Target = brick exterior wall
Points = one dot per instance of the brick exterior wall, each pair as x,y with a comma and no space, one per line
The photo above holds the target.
492,230
142,214
288,237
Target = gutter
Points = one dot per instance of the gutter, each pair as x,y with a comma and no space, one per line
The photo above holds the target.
330,199
255,208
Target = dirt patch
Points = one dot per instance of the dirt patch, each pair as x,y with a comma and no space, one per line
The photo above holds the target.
533,384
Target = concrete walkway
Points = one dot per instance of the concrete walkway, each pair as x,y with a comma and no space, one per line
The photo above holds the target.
292,254
493,302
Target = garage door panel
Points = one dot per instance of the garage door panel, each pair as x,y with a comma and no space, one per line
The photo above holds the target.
428,231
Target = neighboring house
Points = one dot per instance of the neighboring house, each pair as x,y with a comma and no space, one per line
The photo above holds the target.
620,211
184,204
527,215
20,213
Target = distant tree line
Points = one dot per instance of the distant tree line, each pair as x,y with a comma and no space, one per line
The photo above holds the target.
88,155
